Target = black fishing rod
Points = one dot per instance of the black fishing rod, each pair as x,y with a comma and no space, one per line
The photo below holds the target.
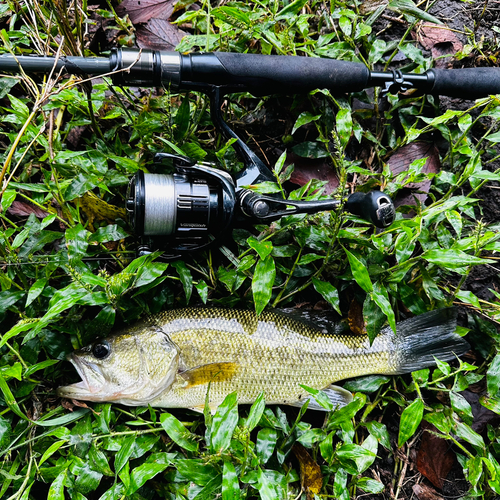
256,73
197,205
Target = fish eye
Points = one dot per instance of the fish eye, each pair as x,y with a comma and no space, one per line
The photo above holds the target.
101,349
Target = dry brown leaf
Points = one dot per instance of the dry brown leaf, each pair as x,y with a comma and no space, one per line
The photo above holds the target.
355,318
440,40
401,160
310,473
435,457
308,169
424,492
23,209
159,34
141,11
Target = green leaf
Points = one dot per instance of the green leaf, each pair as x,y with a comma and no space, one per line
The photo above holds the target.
265,444
224,422
303,119
493,376
113,232
185,276
370,485
465,432
310,149
291,10
263,248
328,292
262,283
56,490
381,297
461,407
230,484
344,126
359,272
410,420
408,7
452,258
178,433
202,288
35,290
63,420
256,412
124,453
368,384
144,473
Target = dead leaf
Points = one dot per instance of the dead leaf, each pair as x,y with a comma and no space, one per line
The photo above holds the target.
22,209
97,209
440,40
435,457
311,478
159,34
355,318
401,160
423,492
307,169
141,11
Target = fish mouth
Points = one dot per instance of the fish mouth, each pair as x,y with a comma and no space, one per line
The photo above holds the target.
86,388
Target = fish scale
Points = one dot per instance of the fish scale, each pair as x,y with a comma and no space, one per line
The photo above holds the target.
275,354
173,358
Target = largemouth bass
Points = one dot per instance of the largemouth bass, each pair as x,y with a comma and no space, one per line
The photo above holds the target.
169,359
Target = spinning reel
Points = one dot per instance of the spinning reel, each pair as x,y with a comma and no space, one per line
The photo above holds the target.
198,205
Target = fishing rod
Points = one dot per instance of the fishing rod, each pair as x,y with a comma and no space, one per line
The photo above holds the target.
196,206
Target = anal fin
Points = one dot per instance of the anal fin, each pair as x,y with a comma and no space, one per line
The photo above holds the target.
338,396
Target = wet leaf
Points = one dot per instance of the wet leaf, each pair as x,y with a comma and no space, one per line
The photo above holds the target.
329,293
230,484
266,443
359,272
224,422
410,420
262,283
493,376
178,433
452,258
256,412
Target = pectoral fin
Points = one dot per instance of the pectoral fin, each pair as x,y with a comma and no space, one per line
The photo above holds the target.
338,396
211,372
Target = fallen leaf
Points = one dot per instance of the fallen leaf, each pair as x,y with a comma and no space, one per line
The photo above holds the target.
308,169
401,160
435,457
311,478
355,318
141,11
97,209
159,34
424,492
440,40
23,209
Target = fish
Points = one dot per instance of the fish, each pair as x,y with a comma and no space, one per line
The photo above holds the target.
172,359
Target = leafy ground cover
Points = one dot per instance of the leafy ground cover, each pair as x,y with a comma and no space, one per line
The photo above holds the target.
68,272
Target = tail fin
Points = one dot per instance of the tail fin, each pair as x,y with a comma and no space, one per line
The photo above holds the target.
421,339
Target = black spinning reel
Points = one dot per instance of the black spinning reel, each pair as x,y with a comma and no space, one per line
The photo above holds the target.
198,205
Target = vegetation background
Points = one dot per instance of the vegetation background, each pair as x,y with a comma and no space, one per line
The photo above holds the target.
68,274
